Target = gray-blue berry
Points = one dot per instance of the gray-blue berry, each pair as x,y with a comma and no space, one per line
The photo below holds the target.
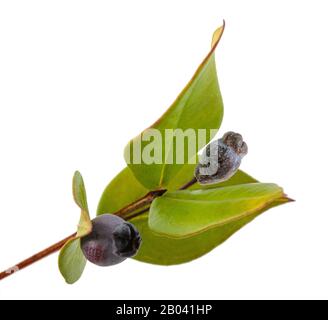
221,159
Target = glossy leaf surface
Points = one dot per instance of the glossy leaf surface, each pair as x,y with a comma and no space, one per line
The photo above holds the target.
199,106
187,213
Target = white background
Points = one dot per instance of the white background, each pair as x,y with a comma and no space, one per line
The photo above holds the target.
78,79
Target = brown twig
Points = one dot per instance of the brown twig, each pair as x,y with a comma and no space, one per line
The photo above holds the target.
189,184
136,214
147,199
37,257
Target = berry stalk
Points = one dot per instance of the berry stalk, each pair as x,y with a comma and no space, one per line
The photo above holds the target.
189,184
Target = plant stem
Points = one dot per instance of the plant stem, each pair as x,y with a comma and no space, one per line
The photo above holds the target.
189,184
37,257
147,199
136,214
124,213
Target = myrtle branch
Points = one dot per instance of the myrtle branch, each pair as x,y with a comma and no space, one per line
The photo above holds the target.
127,213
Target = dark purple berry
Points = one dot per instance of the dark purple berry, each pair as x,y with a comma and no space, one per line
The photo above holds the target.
111,241
221,159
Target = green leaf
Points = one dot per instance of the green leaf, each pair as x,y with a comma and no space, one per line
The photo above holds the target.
157,249
71,261
187,213
79,193
199,106
160,250
80,197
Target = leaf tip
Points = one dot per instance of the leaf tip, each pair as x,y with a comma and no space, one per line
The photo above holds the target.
218,35
288,199
77,176
77,172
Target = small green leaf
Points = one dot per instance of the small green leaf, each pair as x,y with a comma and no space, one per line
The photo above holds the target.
199,106
79,193
187,213
71,261
157,249
80,197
